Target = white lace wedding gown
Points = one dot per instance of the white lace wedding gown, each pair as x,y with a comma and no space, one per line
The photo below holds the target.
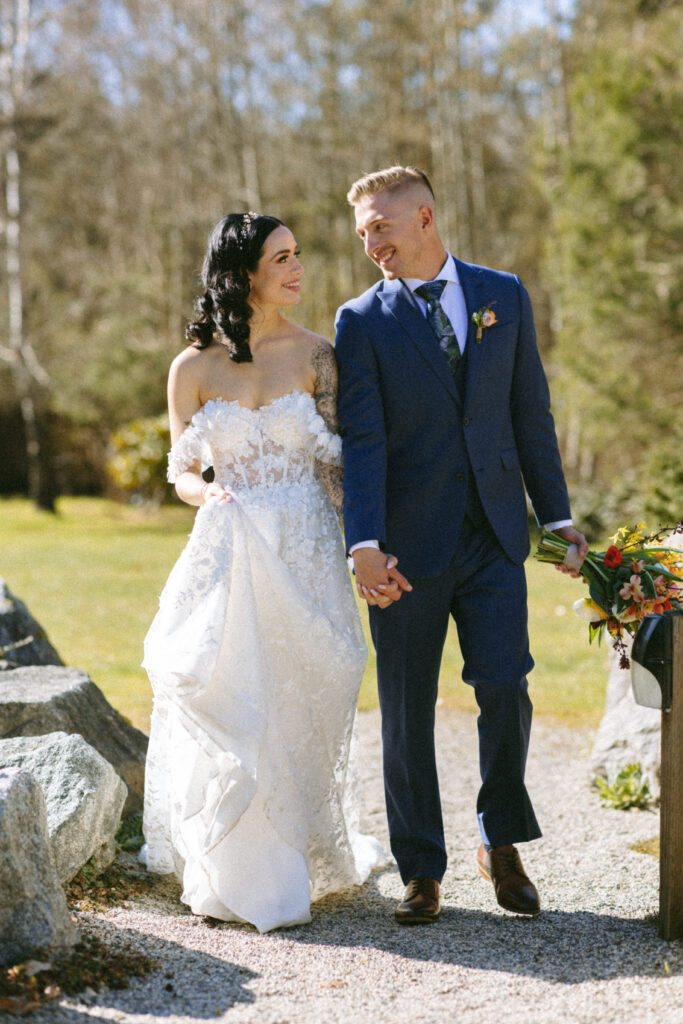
255,658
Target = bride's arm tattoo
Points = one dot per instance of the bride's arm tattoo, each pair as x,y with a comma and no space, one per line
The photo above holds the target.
325,395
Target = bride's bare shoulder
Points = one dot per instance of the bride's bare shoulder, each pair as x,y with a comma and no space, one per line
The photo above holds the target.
314,346
191,362
190,356
320,360
312,339
185,376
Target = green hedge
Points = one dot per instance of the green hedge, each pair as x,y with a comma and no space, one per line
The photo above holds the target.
138,459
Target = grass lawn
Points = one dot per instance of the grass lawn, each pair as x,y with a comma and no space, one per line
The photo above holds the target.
92,574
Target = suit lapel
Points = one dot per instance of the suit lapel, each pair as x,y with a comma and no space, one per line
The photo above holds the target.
399,302
471,280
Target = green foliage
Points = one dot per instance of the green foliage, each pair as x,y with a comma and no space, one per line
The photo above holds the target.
130,836
613,256
627,789
664,477
121,185
138,461
599,505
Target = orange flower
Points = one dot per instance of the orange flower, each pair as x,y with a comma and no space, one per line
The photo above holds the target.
484,317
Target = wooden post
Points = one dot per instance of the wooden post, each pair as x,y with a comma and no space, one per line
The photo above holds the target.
671,801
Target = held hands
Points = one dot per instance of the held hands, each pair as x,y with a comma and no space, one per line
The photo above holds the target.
378,580
574,537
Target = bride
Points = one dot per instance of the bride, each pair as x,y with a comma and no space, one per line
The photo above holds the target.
256,654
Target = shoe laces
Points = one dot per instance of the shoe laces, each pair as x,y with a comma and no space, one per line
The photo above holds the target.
420,886
508,860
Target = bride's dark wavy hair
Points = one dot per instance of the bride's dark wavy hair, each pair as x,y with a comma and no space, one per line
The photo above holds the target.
235,247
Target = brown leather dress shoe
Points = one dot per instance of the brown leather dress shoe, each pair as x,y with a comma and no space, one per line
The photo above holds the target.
514,890
421,902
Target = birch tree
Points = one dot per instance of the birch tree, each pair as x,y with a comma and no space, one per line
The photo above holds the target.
27,373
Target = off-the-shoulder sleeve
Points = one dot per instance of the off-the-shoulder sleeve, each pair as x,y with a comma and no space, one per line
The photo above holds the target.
188,449
328,446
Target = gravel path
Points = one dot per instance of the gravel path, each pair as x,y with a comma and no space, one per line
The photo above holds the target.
593,955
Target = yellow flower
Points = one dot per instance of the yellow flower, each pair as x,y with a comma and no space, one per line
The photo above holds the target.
629,537
630,614
587,609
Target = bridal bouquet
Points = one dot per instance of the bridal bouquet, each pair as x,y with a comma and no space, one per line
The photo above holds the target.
635,576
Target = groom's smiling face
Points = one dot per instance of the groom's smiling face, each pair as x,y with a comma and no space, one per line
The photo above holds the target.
395,230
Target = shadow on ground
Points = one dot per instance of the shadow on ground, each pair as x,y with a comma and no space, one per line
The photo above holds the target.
558,946
184,983
548,947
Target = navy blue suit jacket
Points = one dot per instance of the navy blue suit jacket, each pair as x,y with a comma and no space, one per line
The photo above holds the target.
407,434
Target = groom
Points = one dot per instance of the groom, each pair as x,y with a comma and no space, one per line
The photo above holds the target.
445,417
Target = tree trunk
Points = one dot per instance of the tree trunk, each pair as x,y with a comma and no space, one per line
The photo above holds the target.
26,372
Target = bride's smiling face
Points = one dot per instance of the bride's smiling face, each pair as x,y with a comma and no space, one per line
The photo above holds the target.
277,278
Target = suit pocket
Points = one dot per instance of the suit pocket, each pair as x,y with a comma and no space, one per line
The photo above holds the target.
509,458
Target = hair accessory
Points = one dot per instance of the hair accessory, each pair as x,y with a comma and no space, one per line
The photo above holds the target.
246,221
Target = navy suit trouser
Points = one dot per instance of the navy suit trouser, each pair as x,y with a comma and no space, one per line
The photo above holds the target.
487,597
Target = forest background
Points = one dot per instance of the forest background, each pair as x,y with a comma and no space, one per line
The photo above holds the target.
552,133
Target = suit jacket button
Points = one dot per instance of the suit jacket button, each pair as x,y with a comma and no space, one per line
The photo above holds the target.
466,420
460,476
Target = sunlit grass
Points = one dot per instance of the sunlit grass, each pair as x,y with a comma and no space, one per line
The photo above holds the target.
569,678
92,575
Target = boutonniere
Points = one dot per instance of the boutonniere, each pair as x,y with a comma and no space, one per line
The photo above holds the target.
484,317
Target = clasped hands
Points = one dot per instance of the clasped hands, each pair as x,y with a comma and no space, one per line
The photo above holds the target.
378,580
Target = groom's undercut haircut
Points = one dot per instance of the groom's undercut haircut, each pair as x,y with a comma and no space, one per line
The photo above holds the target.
392,179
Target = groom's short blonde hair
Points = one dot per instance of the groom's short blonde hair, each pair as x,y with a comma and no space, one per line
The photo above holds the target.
391,179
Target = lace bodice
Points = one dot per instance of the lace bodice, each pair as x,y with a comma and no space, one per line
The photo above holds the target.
275,444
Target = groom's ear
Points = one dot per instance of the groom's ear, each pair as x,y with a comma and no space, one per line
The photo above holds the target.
426,216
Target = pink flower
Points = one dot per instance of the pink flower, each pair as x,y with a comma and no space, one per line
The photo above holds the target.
632,590
638,566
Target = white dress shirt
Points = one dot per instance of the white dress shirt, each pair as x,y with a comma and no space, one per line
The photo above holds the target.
452,299
453,304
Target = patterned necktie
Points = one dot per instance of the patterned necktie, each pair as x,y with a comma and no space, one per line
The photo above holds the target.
439,322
